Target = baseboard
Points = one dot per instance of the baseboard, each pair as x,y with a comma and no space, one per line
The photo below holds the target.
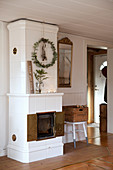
3,152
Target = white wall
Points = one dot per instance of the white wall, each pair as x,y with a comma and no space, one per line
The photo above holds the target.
77,93
4,86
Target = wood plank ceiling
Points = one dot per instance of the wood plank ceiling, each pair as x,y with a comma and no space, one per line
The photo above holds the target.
89,18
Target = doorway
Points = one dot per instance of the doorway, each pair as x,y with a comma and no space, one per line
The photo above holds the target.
100,62
96,82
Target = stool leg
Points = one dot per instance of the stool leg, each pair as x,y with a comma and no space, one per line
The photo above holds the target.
85,132
74,137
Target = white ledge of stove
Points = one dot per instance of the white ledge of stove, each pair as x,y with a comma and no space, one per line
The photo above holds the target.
35,103
36,95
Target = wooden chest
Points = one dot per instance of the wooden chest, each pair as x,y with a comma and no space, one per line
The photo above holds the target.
74,114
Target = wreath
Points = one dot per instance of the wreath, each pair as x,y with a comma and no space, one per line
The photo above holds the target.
34,54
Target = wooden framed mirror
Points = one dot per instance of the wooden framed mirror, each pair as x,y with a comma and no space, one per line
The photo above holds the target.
65,48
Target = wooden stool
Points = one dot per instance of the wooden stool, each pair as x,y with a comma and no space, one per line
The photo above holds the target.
74,130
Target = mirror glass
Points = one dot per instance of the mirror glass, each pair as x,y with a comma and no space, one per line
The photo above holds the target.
64,62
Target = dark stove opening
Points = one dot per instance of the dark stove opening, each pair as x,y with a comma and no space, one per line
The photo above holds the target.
45,125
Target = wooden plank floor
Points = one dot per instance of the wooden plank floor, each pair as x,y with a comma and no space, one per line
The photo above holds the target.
100,163
91,157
